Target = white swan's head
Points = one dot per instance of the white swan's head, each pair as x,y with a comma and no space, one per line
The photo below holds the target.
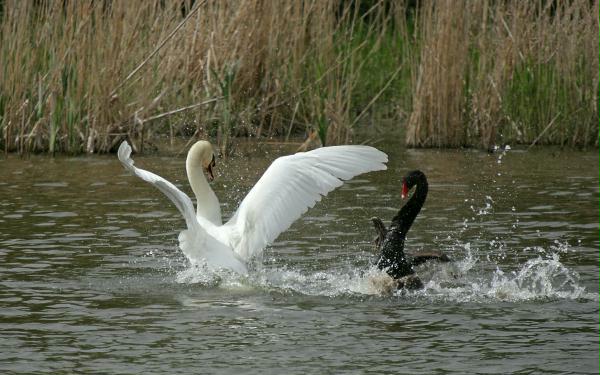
201,155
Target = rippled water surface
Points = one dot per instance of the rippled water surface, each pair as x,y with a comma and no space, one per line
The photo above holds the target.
92,280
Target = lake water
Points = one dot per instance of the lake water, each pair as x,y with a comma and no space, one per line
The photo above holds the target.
92,281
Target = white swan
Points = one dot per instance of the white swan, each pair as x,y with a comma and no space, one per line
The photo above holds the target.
290,186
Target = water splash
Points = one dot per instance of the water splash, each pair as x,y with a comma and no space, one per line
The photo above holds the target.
469,279
487,209
538,278
501,152
199,273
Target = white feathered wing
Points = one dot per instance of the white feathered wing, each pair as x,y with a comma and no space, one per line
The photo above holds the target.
196,242
289,187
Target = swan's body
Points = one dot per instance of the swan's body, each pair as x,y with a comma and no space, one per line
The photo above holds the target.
390,241
288,188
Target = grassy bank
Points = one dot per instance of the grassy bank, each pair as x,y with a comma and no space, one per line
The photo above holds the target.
81,76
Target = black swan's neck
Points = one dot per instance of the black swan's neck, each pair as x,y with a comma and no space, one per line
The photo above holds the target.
407,214
392,257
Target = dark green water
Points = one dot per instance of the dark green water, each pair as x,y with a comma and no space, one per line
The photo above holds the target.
91,280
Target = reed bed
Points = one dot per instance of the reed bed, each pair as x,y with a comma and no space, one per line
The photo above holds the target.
501,72
80,76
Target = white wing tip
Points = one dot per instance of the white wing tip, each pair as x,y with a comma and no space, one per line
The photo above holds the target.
382,159
378,157
124,154
379,153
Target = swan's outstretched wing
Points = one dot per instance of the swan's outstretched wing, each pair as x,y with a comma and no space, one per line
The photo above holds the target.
292,185
196,243
182,201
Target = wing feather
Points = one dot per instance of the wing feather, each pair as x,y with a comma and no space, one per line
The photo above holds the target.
197,243
292,185
180,199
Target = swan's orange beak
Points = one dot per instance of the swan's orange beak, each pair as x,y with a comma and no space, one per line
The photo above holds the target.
404,190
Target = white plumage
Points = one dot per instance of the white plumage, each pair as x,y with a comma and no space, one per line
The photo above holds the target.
288,188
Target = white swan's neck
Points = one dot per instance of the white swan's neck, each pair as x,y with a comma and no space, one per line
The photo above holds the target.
207,204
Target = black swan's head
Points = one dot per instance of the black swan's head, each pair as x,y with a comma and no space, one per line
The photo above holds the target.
411,179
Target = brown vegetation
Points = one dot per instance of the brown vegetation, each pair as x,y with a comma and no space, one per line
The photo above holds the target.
79,76
517,71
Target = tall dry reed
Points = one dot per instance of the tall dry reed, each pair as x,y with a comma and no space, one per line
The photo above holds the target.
81,76
497,72
66,81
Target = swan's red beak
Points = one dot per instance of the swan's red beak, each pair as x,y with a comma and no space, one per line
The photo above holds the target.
404,190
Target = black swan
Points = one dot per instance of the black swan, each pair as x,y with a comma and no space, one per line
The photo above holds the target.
390,241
